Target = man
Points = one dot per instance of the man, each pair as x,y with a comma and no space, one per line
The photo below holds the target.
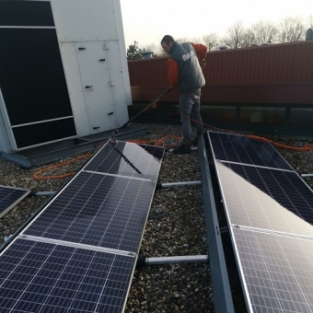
185,72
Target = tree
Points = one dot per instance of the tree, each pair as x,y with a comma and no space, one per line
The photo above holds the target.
291,29
212,41
260,33
183,39
310,21
153,48
236,36
133,52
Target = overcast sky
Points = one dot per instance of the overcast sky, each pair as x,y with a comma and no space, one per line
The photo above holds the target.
147,21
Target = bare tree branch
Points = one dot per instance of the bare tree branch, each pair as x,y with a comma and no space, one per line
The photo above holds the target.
235,37
291,29
189,39
261,32
310,21
212,41
156,50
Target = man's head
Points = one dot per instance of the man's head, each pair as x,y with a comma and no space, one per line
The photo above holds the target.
167,43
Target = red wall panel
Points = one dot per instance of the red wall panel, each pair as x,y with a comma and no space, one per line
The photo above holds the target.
291,62
281,73
148,72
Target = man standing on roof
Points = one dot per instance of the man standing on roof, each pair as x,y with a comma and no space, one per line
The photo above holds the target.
184,65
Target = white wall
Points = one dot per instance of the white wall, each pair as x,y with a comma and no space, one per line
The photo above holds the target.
89,22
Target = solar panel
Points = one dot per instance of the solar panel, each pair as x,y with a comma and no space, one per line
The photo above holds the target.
242,149
98,210
79,253
10,196
128,159
43,277
277,271
266,198
269,209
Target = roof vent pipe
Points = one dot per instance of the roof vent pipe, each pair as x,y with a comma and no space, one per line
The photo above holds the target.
309,34
146,54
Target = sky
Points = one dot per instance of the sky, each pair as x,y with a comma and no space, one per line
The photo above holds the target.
147,21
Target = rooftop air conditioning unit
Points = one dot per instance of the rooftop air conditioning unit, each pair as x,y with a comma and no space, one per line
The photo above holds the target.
63,71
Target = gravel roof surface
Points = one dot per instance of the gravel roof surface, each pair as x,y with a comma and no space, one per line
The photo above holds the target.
175,225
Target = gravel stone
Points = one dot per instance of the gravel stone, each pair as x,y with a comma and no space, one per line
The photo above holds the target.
175,225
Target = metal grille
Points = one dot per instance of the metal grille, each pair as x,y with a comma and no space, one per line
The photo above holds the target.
44,132
31,75
26,13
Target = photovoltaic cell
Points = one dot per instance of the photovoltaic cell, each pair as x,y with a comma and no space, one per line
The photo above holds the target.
98,210
277,270
43,277
242,149
266,198
128,159
270,213
9,197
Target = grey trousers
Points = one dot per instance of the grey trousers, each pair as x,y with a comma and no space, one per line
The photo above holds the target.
190,108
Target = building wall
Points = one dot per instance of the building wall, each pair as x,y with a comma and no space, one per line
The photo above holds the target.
280,73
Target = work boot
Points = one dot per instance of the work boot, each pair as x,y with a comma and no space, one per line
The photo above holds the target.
182,149
195,141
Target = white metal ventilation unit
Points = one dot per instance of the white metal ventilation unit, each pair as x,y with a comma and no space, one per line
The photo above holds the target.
63,71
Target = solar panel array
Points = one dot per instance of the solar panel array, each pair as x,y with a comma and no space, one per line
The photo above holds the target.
269,209
79,253
10,196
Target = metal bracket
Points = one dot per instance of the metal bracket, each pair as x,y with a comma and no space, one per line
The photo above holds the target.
110,83
105,46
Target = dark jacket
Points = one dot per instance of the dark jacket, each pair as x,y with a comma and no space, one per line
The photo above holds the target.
190,76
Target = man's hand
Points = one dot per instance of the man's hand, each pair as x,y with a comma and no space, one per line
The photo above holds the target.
202,63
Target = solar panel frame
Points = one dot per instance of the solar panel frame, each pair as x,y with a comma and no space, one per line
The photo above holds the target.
10,197
242,149
276,271
44,277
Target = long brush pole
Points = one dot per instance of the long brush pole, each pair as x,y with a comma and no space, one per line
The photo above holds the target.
112,138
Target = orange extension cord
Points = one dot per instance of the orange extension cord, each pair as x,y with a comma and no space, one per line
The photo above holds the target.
307,147
37,175
160,142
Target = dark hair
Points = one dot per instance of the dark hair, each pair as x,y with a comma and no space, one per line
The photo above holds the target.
167,39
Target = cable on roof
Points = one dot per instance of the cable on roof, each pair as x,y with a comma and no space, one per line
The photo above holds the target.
306,147
161,142
40,177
